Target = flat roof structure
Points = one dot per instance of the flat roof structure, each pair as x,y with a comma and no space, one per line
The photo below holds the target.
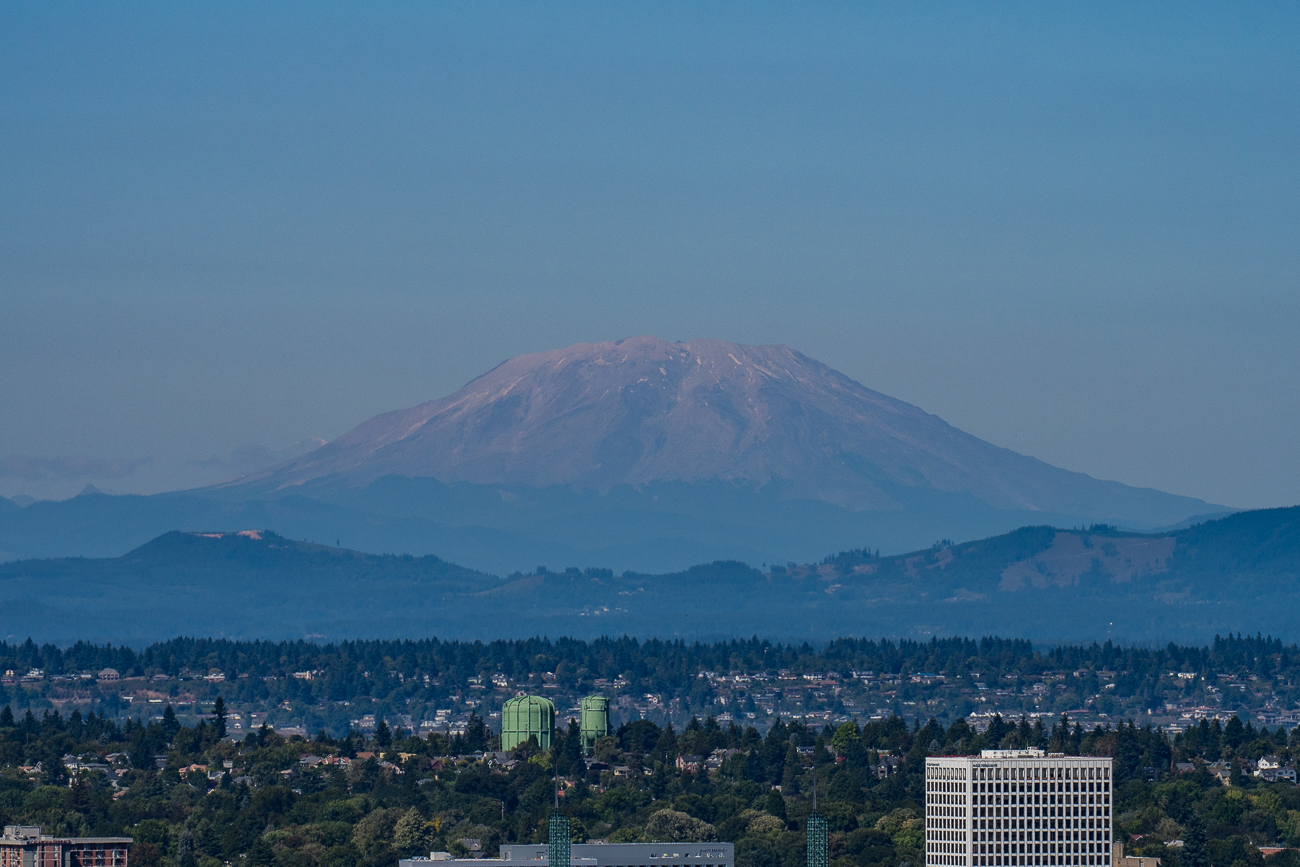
596,855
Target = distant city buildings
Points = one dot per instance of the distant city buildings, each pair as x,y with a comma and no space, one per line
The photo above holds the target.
429,697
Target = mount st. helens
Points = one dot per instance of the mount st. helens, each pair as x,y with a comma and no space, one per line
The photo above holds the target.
642,411
638,454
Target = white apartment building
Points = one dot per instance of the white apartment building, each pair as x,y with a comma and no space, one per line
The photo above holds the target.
1017,808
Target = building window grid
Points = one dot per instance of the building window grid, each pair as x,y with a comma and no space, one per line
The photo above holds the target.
1050,835
96,855
818,840
50,852
558,845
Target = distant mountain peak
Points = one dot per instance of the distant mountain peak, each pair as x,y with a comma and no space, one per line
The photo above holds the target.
643,410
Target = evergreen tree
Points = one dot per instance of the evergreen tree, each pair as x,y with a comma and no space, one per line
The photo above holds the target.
185,850
1128,756
219,712
1025,732
1234,734
1193,853
1059,741
477,733
171,725
260,854
79,796
997,730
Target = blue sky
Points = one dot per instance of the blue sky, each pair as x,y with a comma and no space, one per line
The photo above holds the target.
1071,229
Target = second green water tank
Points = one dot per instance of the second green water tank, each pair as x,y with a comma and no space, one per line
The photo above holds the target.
593,721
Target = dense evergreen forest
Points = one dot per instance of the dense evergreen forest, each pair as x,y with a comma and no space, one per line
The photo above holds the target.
359,667
77,757
754,681
191,797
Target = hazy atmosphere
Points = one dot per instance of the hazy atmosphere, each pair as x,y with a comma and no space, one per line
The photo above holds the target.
577,434
443,434
228,230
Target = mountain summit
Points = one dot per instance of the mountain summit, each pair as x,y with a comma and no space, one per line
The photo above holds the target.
643,411
639,455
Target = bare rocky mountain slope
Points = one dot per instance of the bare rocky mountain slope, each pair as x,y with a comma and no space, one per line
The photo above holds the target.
644,411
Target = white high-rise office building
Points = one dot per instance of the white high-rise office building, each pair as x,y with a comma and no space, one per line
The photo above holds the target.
1017,808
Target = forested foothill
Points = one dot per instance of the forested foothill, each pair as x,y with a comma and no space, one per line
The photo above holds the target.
1234,574
190,796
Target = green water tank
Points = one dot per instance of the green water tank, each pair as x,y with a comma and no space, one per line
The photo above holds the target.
527,716
594,721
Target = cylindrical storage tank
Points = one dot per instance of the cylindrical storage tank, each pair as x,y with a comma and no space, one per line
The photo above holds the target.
594,721
527,716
